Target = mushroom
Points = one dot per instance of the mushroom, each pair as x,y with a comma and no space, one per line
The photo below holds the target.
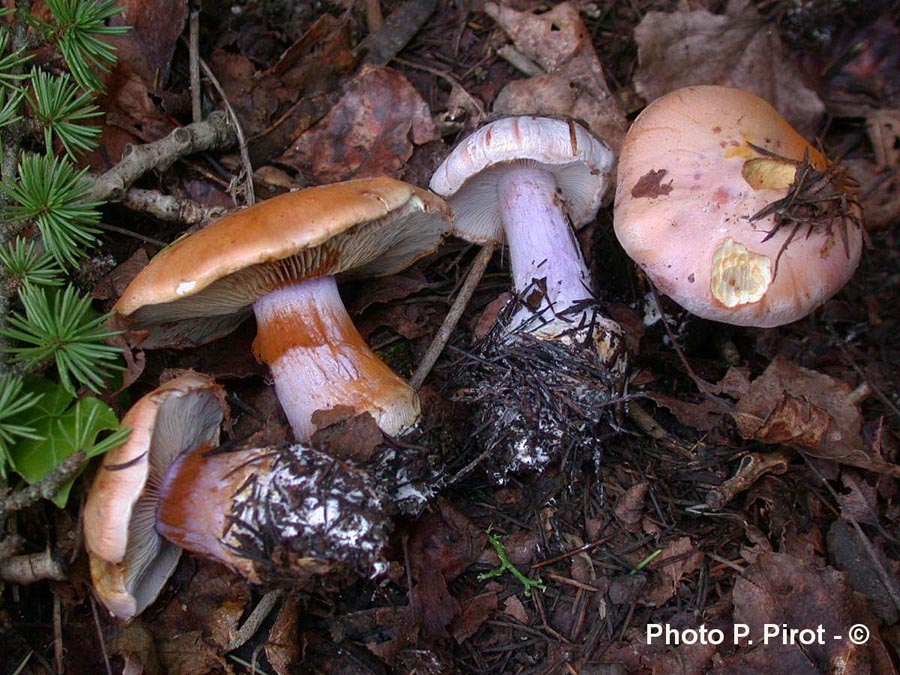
731,212
550,366
129,561
268,513
526,181
279,259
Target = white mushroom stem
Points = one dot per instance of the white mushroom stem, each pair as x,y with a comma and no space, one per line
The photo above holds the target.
319,360
541,242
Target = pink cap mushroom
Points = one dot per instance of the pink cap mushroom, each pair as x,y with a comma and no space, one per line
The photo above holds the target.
129,561
731,212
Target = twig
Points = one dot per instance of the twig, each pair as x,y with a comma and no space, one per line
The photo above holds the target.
397,30
248,629
374,19
702,385
519,61
100,637
32,567
479,264
170,209
57,634
213,133
249,193
45,488
134,235
194,60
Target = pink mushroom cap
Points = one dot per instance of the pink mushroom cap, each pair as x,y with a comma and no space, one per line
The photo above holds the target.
688,183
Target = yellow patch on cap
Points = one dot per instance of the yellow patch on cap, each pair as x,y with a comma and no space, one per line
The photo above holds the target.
739,276
769,173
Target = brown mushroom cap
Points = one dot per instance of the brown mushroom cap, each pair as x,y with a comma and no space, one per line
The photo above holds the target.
130,562
468,178
688,182
201,287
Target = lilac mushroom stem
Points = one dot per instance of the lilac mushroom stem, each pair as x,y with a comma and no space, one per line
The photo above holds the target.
541,242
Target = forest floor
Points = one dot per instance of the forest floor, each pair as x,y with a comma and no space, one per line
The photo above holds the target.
681,515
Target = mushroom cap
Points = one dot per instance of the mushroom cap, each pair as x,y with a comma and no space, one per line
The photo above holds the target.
130,562
688,183
468,177
202,286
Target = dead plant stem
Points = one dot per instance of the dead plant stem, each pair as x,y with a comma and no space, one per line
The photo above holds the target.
476,271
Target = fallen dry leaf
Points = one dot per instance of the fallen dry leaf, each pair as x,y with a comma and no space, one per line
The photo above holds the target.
371,131
237,74
155,28
514,608
442,545
639,655
777,589
212,606
574,84
630,506
134,643
807,410
303,86
879,193
703,416
475,612
283,646
860,501
187,654
679,558
389,289
850,554
345,435
738,49
114,283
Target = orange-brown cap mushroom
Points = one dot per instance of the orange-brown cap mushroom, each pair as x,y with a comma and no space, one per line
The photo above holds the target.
278,259
129,561
731,212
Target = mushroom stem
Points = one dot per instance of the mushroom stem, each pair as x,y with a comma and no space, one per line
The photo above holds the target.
272,513
319,360
541,242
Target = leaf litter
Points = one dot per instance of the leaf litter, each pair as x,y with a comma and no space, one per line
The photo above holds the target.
629,541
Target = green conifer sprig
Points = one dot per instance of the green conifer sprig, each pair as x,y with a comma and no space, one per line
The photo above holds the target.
25,264
62,111
10,99
62,326
13,402
11,64
78,30
52,194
